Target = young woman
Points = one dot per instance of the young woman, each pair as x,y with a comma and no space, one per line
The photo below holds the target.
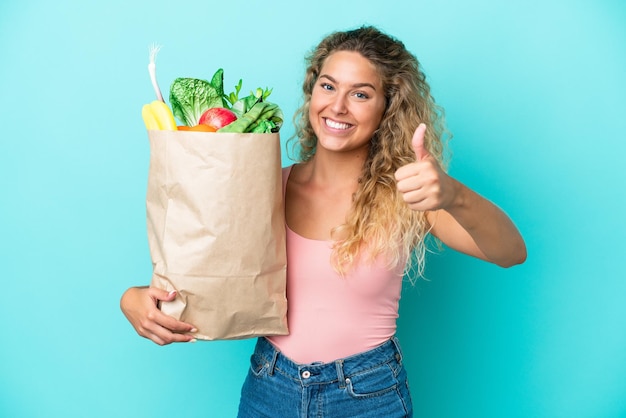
367,190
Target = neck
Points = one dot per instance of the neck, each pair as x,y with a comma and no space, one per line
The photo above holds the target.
336,169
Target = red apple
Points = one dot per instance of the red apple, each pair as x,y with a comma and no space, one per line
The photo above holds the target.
217,117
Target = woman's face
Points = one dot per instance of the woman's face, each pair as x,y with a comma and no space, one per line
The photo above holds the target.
347,102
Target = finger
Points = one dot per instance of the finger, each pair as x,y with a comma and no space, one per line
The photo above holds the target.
407,183
163,329
173,324
164,320
418,142
414,199
164,337
162,294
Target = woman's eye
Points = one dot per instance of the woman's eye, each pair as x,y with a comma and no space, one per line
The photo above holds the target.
361,95
326,86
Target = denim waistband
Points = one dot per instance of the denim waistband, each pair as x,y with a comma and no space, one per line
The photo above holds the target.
322,373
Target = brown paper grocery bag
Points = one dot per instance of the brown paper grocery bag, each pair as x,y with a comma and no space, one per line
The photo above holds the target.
216,231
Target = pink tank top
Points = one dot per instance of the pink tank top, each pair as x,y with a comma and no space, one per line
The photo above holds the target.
331,316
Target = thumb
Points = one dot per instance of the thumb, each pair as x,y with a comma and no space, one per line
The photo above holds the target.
418,142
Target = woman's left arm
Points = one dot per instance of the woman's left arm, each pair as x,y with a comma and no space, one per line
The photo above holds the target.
460,217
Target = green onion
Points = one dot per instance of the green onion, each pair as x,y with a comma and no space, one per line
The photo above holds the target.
154,50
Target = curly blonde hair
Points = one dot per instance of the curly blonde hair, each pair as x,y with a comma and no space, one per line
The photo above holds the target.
379,219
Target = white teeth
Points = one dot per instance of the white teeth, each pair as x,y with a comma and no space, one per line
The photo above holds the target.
337,125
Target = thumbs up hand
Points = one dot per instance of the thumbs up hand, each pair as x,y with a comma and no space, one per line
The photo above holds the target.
423,184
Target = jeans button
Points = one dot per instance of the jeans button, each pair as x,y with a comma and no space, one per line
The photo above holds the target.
306,374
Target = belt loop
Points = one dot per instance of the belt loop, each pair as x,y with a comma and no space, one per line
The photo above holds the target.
272,363
396,343
340,375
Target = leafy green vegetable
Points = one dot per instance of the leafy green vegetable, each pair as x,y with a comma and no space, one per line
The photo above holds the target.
190,97
243,123
265,126
217,81
263,117
234,96
241,106
271,119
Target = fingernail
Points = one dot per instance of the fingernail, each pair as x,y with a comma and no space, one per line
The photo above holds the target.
193,330
193,341
173,292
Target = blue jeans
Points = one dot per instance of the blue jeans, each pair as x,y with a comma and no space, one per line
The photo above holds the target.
370,384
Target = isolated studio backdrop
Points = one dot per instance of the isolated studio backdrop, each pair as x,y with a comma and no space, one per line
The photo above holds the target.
534,93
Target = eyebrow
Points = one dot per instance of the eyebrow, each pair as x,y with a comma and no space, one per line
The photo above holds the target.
357,85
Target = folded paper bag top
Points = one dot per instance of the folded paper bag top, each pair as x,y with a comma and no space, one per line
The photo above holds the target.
216,230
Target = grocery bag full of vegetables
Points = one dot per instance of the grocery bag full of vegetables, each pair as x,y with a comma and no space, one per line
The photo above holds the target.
215,212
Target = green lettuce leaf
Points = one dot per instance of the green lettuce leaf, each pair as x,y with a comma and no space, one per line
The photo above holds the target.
191,97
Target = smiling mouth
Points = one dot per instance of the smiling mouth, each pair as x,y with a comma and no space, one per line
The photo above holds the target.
337,125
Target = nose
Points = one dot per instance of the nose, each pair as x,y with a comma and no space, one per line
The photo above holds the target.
339,104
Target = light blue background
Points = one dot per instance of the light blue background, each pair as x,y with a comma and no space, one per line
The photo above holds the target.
535,96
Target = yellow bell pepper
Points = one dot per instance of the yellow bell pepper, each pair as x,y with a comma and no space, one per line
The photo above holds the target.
158,116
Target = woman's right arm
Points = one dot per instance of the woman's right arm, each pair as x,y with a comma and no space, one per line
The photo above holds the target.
140,305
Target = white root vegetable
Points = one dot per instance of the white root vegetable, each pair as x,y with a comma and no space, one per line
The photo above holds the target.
154,50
